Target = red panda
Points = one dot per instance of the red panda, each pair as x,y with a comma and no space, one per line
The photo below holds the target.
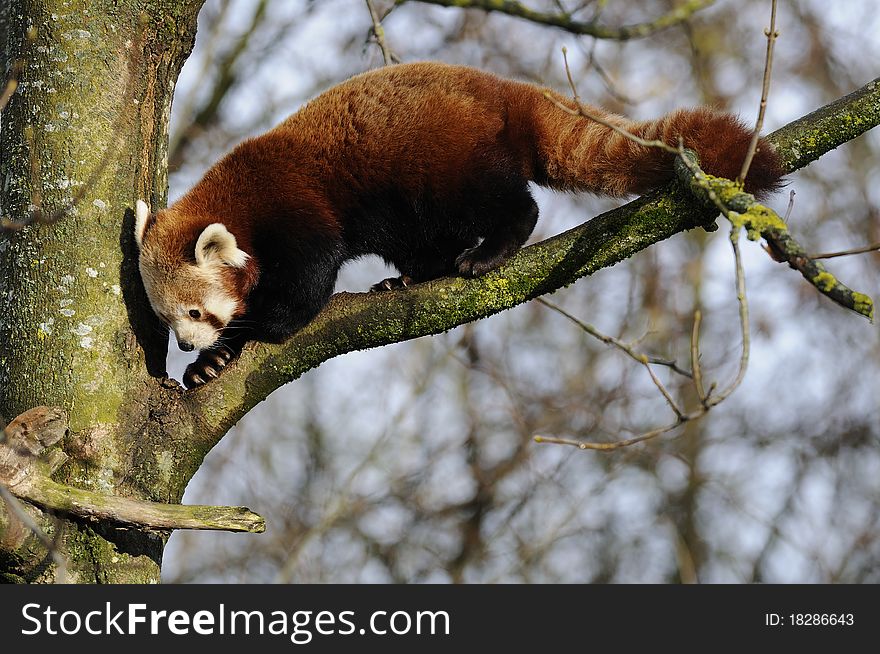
426,165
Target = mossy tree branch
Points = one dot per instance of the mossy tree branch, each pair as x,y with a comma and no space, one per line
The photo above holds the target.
359,321
26,464
47,494
761,221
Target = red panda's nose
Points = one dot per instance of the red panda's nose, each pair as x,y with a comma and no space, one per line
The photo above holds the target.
186,347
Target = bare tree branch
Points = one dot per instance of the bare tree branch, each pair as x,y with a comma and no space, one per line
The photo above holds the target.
623,347
772,34
706,402
566,22
26,463
378,33
845,253
695,358
53,496
760,221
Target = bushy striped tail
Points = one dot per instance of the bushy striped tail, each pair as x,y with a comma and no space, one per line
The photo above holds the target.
578,154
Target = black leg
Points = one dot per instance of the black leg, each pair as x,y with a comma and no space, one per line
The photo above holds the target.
425,264
511,229
211,362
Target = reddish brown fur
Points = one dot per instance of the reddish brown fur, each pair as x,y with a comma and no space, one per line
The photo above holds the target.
584,155
417,163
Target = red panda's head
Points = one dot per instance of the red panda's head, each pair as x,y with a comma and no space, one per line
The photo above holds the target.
193,280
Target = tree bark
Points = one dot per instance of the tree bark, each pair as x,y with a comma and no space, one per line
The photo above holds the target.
89,128
82,139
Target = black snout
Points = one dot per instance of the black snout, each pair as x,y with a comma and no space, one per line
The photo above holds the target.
186,347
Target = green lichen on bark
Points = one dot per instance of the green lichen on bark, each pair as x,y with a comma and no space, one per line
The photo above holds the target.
760,221
864,305
81,140
808,138
824,280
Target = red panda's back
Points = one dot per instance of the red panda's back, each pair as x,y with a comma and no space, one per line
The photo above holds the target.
422,126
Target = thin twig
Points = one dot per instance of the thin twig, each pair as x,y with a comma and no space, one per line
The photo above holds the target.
846,253
790,206
743,322
672,364
616,445
695,357
607,81
772,34
564,21
610,340
707,400
768,248
379,34
700,180
586,113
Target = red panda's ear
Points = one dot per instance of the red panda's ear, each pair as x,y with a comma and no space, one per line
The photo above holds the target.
217,246
141,220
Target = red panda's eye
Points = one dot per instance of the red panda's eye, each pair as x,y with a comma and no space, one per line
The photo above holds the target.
195,313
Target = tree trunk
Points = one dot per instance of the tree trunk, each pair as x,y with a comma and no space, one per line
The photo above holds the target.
82,139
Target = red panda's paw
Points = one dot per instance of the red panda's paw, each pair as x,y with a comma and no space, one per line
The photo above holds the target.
207,366
479,260
391,284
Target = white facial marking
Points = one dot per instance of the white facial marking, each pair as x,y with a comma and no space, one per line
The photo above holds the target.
220,304
200,334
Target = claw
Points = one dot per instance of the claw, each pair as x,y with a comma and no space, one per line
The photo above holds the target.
464,262
474,262
194,380
217,360
208,366
391,284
